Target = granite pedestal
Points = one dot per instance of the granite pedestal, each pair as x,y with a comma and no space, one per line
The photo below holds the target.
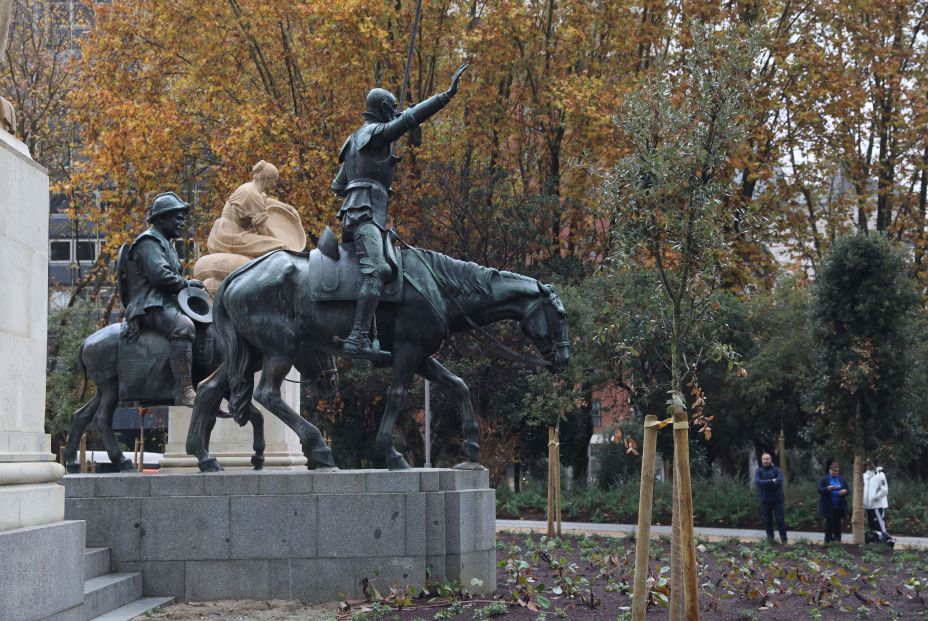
290,535
36,545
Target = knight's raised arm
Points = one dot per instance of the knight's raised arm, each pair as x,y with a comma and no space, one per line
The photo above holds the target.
421,112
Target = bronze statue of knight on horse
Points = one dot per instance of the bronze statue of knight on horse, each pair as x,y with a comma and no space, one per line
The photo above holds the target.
396,308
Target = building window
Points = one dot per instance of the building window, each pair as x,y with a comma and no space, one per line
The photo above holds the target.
86,250
59,251
596,413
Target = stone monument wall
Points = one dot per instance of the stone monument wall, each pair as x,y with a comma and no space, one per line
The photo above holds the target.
290,535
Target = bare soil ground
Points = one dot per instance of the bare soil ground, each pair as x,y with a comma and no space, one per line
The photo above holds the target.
590,578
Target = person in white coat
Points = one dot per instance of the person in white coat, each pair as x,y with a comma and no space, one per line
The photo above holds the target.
876,500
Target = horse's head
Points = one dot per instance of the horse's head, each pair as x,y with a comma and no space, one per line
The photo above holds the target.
545,323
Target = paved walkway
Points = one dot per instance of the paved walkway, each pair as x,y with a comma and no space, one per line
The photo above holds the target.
711,534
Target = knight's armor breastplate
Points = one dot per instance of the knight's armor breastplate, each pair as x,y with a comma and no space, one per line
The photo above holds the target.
369,159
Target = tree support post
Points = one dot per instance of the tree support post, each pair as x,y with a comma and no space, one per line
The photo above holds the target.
681,449
550,481
645,507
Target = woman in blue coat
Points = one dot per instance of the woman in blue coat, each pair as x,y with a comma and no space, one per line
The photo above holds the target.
832,501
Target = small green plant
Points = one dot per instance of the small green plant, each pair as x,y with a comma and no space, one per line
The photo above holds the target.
815,614
747,615
496,609
376,610
456,608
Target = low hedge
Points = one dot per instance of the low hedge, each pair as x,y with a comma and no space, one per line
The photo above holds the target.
719,501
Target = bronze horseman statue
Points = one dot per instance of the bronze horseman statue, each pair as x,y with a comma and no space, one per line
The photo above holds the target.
152,278
367,163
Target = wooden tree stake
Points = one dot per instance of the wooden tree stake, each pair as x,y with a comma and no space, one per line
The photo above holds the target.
645,507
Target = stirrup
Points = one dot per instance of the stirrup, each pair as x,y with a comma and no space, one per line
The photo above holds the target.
361,347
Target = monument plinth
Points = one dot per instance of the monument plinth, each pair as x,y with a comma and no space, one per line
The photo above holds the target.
43,571
310,536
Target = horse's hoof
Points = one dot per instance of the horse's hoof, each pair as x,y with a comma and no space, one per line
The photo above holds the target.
125,465
74,468
322,458
398,463
471,450
258,463
222,414
469,465
210,464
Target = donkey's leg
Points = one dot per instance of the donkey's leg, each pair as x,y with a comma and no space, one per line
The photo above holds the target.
82,418
434,371
108,401
209,395
404,365
257,428
267,393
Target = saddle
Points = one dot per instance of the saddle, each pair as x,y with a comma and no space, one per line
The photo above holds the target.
333,274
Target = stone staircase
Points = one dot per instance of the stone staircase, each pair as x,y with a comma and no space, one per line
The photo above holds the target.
109,596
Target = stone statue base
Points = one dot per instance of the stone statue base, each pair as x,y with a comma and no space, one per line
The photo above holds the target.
310,536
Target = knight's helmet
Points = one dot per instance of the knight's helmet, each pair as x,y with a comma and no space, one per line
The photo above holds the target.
163,203
375,100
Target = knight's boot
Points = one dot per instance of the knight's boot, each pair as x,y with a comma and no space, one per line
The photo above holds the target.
359,344
181,363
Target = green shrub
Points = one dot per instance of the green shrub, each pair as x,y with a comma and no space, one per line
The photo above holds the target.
719,500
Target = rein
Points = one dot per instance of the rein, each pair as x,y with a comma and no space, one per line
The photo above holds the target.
480,334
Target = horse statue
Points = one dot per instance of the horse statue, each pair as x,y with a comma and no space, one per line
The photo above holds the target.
288,308
138,374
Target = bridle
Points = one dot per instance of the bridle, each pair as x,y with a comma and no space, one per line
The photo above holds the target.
549,354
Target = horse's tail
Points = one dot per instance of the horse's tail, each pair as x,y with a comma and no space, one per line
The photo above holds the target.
83,370
236,355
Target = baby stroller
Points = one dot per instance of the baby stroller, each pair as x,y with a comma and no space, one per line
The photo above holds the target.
877,528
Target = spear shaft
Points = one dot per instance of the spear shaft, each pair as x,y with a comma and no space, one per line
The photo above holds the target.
412,44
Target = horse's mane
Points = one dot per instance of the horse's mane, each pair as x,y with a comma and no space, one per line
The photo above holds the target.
464,277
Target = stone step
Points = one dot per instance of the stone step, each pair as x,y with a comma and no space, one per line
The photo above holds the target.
134,609
105,593
96,562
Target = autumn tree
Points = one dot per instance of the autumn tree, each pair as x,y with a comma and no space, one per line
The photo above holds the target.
863,300
38,74
683,124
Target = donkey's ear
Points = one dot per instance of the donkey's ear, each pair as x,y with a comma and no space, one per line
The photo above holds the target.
541,287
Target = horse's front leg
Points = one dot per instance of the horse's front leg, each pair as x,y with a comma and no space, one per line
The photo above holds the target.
434,371
403,368
209,395
258,443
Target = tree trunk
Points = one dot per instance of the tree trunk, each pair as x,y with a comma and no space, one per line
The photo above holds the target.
858,513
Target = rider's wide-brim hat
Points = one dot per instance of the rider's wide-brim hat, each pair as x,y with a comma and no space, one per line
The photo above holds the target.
196,304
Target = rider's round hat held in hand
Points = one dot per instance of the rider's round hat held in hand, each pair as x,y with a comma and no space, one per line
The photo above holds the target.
196,304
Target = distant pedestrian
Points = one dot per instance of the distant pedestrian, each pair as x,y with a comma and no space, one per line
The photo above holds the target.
832,502
769,481
876,501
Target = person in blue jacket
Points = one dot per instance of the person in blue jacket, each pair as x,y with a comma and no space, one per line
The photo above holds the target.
832,501
769,481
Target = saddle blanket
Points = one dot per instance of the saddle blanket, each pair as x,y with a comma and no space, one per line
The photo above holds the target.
145,371
331,281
